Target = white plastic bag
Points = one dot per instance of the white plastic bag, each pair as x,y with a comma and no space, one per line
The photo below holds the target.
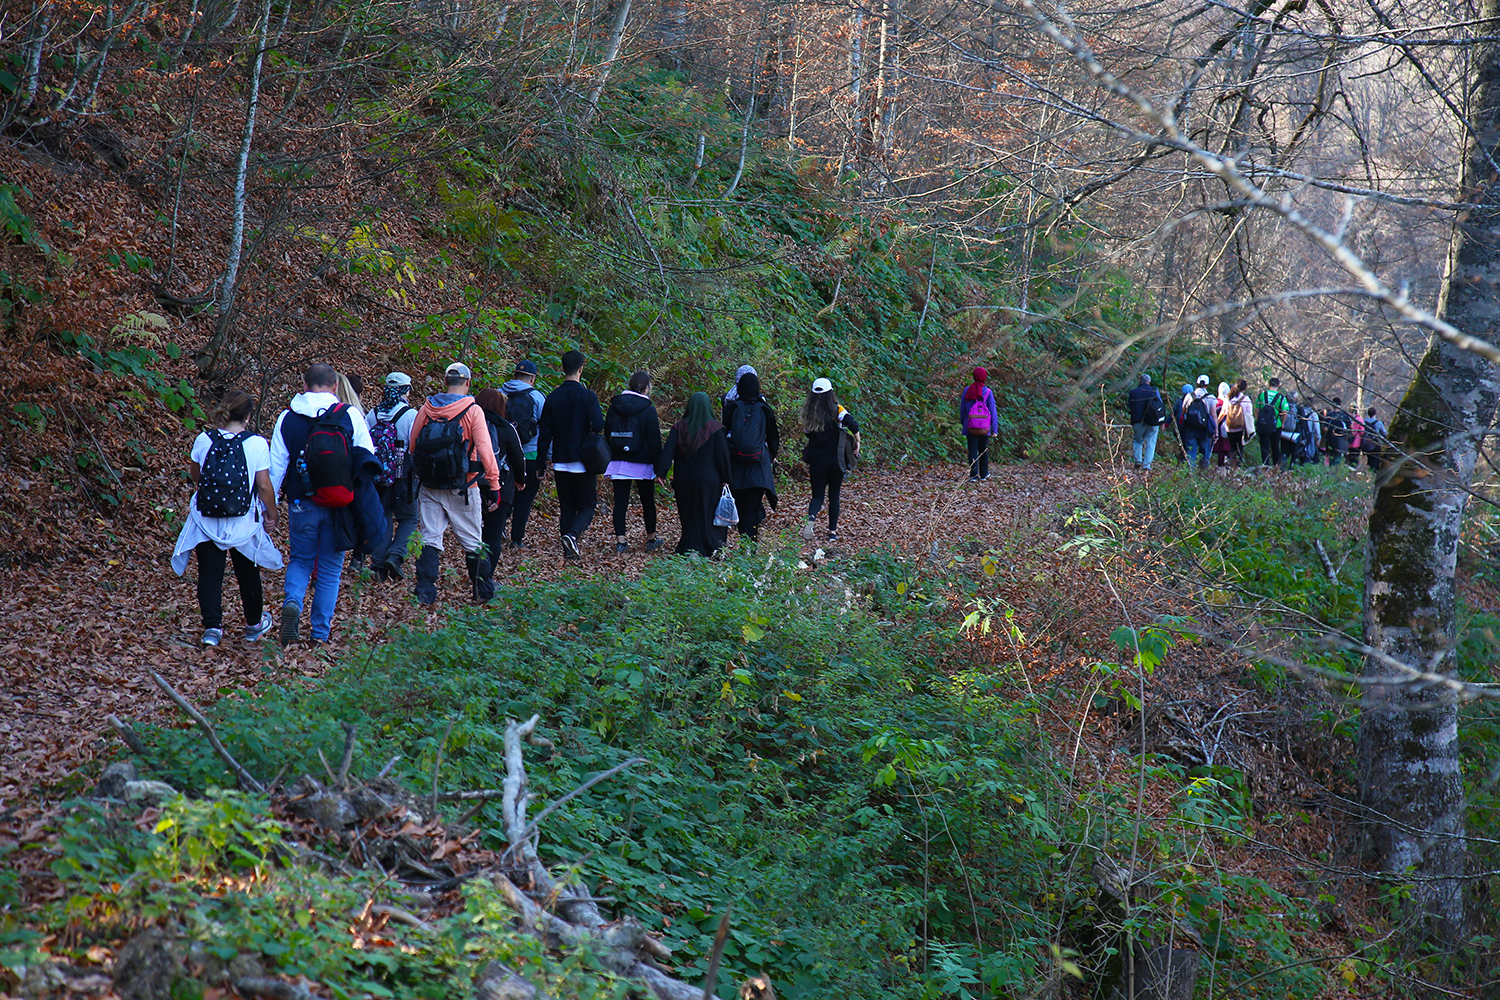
727,514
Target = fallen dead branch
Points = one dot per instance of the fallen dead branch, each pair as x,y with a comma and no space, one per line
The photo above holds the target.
246,779
625,947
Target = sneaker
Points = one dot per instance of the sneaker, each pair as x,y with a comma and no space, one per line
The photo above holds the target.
621,547
393,569
211,636
570,547
517,545
807,531
255,633
290,620
655,544
832,537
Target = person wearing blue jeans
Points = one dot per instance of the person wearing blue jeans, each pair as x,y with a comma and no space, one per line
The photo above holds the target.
1147,414
310,537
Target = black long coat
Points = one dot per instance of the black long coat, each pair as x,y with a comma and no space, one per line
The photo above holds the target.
698,478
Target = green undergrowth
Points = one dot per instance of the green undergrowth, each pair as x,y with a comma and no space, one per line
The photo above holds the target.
878,825
1244,555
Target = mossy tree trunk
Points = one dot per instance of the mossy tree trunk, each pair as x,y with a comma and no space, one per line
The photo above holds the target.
1410,781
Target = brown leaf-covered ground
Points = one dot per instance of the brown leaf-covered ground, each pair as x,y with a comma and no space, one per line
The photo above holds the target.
84,624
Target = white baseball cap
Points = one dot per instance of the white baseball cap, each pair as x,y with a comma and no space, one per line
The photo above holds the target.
1203,380
822,385
460,370
398,378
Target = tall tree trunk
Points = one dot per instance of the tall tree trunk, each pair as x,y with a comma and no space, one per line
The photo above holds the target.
1410,781
611,51
247,136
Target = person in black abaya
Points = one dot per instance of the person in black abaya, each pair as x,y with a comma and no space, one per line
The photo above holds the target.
698,453
751,480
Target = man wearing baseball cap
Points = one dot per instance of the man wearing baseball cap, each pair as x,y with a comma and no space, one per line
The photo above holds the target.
447,436
390,430
523,408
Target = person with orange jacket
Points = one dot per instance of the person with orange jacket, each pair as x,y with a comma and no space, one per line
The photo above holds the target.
451,453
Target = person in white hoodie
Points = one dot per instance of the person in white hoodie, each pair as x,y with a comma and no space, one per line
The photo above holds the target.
311,539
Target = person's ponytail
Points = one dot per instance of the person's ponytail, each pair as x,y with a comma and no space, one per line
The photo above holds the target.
236,407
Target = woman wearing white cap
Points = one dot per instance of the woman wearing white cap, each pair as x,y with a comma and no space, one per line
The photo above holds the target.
824,421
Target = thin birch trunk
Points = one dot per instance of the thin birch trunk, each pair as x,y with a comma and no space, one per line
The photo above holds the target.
791,104
611,52
1411,784
891,75
237,233
34,56
760,38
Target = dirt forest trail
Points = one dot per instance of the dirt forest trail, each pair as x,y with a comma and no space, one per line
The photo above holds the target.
80,635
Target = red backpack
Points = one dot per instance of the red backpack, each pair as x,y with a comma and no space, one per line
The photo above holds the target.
324,463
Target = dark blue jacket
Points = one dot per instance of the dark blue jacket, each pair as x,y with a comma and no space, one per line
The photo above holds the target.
1137,400
570,415
361,524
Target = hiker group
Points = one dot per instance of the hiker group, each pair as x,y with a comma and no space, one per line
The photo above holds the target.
473,464
1221,426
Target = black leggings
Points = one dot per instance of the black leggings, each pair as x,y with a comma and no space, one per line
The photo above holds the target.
211,585
829,478
647,490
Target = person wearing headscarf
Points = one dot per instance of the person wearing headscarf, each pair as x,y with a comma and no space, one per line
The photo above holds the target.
1221,441
739,373
697,454
979,419
391,423
754,443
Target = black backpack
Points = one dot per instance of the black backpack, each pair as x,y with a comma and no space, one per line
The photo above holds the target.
1338,423
522,409
441,456
1265,413
1195,418
627,436
324,465
224,480
1154,413
747,434
501,461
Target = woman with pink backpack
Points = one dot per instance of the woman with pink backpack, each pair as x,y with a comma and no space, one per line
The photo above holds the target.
980,420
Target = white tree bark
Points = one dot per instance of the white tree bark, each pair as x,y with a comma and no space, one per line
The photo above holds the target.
611,52
230,281
1410,780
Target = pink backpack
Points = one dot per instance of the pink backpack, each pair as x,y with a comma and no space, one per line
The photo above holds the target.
977,417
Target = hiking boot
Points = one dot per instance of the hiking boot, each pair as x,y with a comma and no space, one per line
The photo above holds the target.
655,544
211,636
392,568
427,573
570,548
481,577
621,547
255,633
807,531
291,616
